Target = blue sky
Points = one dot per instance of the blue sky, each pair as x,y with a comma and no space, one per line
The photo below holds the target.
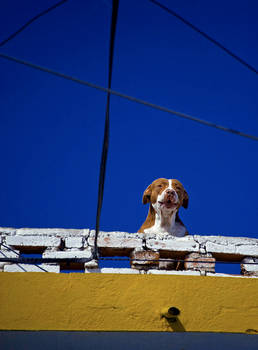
52,129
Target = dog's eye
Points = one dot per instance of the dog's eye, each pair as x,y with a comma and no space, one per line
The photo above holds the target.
159,186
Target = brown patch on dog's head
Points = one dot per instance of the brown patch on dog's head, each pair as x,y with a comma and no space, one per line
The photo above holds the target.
181,192
151,193
153,190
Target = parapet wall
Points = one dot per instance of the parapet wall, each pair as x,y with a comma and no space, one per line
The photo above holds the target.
148,253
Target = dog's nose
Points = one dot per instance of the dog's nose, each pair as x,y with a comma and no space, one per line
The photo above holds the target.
171,192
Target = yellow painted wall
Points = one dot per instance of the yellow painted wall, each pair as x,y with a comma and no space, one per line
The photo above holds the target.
114,302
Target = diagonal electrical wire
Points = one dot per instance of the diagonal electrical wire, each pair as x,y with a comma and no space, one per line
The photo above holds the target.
12,250
21,29
106,131
206,36
127,97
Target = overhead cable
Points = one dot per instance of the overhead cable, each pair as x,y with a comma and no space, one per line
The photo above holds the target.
206,36
12,36
102,172
36,260
18,257
127,97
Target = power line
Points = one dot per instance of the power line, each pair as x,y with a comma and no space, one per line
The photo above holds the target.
127,97
102,172
35,261
12,36
12,250
206,36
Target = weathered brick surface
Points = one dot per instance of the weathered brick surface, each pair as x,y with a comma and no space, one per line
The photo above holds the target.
209,274
144,259
194,261
5,253
74,242
117,240
7,231
93,264
122,270
70,243
32,268
184,244
33,241
182,273
166,264
66,254
229,245
56,232
92,270
249,267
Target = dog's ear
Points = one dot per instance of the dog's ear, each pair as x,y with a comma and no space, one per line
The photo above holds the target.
147,195
185,200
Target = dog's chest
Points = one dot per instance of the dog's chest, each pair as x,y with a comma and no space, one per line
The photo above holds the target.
177,230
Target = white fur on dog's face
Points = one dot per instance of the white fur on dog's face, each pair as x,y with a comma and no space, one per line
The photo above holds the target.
167,200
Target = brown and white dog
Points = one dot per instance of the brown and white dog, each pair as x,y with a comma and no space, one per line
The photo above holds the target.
165,198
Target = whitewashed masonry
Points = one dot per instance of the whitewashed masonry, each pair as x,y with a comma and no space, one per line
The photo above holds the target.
149,253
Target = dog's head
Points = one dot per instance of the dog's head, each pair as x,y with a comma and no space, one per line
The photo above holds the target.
165,195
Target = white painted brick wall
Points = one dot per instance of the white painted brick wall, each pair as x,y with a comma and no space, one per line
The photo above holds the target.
66,254
250,269
184,244
57,232
33,241
209,274
92,264
117,240
127,271
7,231
32,268
5,253
229,245
122,270
74,242
182,273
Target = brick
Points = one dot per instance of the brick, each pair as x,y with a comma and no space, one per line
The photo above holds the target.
117,240
113,270
229,245
66,254
182,273
32,268
144,259
209,274
97,270
74,242
193,262
168,265
93,264
33,241
4,231
5,253
57,232
2,265
122,270
169,243
249,269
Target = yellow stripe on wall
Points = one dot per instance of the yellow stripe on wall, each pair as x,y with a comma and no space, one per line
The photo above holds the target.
116,302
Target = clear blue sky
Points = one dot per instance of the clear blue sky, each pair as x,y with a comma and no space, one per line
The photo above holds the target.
52,129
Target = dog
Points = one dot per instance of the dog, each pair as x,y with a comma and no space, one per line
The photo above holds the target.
165,198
